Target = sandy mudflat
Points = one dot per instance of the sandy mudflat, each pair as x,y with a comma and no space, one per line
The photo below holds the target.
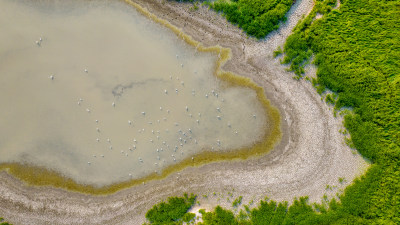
310,156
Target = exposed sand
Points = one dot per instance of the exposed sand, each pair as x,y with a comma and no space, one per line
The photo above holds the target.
311,155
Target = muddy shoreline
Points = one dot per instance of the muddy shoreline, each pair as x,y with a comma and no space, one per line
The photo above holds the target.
310,156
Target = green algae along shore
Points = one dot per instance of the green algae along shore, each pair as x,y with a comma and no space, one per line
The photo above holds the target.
42,176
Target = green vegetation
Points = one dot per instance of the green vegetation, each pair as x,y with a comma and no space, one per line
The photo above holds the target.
237,202
357,51
195,6
270,212
172,212
188,217
278,51
2,222
297,51
256,17
219,216
330,99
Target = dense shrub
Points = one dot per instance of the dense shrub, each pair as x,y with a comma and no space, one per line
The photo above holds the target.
268,213
256,17
218,216
171,211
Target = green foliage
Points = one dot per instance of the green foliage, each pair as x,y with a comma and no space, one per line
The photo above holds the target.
300,211
2,222
268,213
171,211
194,7
243,217
329,99
296,53
278,51
272,213
357,51
188,217
256,17
219,216
297,47
237,202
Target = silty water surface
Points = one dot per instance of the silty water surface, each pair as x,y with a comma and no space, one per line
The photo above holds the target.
102,94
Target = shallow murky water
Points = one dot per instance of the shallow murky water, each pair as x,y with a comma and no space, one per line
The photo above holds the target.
102,94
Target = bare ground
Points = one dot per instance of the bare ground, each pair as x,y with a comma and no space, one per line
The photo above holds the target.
310,156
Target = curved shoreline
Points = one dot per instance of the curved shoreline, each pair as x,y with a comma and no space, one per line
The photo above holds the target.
310,156
38,176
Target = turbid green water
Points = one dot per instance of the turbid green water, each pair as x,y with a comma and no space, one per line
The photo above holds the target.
101,94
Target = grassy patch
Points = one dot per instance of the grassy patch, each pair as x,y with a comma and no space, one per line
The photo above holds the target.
237,202
256,17
174,210
278,51
218,216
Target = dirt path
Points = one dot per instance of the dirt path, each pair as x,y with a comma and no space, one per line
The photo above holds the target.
310,156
